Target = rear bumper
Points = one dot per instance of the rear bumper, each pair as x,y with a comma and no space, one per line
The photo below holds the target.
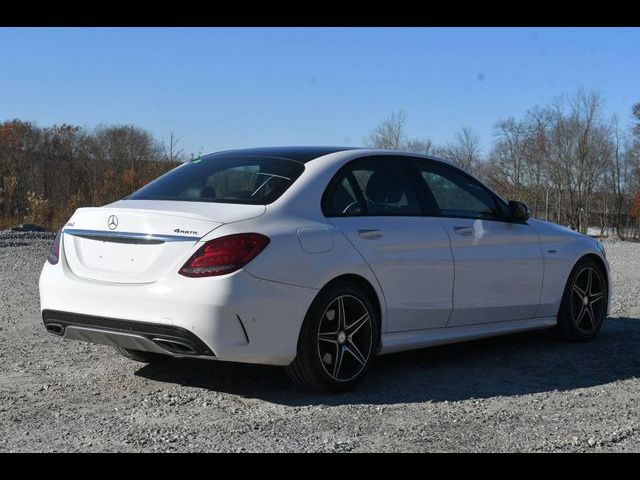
150,337
235,317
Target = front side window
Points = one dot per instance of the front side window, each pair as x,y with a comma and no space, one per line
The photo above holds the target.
256,180
456,194
372,186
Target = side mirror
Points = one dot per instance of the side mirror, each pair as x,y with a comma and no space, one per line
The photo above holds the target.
519,211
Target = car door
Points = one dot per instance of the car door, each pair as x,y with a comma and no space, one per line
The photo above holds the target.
498,263
375,203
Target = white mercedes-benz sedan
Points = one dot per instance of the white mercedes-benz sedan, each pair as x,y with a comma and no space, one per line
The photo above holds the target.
317,259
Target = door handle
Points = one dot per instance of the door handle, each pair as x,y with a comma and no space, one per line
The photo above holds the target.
370,234
463,230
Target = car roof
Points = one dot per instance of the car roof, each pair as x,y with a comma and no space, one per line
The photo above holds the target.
305,154
364,151
301,154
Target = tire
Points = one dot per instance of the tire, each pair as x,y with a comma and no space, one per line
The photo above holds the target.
584,302
338,340
141,356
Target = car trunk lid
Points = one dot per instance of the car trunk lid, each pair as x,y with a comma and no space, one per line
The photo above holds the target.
140,241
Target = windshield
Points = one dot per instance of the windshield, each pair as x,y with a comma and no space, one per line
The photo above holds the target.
226,178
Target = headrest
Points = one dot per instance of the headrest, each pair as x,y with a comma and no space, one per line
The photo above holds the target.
385,186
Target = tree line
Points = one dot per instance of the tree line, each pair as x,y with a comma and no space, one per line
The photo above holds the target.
46,173
568,162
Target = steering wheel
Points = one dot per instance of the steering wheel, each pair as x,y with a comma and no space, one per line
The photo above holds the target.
349,207
370,203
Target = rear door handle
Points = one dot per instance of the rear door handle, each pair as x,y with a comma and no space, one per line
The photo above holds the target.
463,230
370,234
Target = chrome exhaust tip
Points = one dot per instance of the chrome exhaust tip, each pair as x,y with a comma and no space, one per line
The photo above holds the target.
175,346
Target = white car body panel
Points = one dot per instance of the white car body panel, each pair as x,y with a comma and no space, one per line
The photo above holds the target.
413,264
432,285
561,247
498,271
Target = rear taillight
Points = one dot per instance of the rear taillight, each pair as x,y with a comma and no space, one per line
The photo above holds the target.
224,255
54,253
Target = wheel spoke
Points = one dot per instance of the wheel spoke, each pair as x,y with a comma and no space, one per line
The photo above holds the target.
589,280
578,291
328,337
592,318
355,352
581,314
357,325
338,361
341,314
596,297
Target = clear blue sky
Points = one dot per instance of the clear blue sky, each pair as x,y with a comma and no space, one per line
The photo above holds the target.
218,88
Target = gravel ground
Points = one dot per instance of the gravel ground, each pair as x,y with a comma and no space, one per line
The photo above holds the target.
526,392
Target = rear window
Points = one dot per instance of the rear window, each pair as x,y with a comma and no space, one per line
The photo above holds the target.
256,180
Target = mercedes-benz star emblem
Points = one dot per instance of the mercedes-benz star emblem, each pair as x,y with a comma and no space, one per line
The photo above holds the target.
112,223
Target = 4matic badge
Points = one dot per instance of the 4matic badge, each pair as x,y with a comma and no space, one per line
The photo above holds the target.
186,232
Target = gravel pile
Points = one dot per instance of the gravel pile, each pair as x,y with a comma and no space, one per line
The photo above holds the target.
527,392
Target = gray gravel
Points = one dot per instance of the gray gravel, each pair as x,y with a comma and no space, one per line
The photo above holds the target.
624,259
526,392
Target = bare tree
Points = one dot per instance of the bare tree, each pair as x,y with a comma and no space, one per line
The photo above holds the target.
390,133
171,152
618,177
467,148
425,147
582,145
464,150
508,157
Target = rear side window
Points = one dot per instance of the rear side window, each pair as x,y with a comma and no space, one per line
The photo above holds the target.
343,200
457,194
372,186
256,180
